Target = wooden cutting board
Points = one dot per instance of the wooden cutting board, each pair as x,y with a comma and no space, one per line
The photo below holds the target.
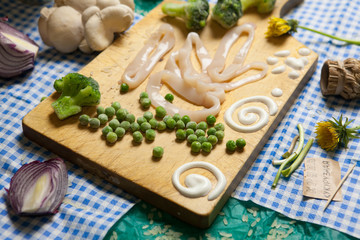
131,167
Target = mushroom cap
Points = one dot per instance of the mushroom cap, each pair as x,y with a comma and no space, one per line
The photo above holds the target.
65,33
100,27
79,5
45,13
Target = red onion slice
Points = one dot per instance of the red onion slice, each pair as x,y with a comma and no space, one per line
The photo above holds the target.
38,188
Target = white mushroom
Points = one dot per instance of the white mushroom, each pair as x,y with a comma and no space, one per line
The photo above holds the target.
64,33
79,5
100,27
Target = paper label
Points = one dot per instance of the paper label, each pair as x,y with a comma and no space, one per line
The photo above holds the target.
321,177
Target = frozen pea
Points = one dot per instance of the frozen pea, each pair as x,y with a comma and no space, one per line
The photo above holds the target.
211,119
219,127
103,118
195,146
199,132
191,125
145,126
202,125
145,103
212,139
189,131
176,117
110,111
161,126
231,145
120,132
114,123
124,88
116,106
185,119
100,110
158,152
121,114
169,97
180,124
106,130
130,118
134,127
220,135
202,139
94,123
111,137
240,143
180,134
150,134
125,125
84,119
141,120
191,138
211,131
206,147
143,95
137,137
160,112
148,115
154,123
166,118
170,123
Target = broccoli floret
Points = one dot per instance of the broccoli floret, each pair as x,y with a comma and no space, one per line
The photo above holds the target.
227,12
263,6
76,91
194,12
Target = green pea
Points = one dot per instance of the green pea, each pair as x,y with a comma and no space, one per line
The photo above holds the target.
211,131
103,118
211,119
134,127
114,123
220,135
202,139
176,117
141,120
160,112
199,132
195,146
94,123
212,139
124,88
84,119
189,131
150,134
170,123
240,143
169,97
202,125
206,147
191,138
148,115
106,130
180,124
111,137
121,114
158,152
166,118
100,110
161,126
110,111
231,145
120,132
137,137
130,118
144,95
43,98
125,125
145,103
219,126
116,106
154,123
145,126
185,119
180,134
191,125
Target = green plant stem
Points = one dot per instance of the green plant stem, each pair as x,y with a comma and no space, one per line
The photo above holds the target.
331,36
287,172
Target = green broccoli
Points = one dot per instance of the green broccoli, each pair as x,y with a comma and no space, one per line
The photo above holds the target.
76,91
194,12
227,12
263,6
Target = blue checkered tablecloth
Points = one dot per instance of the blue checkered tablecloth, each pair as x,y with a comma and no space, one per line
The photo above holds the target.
92,206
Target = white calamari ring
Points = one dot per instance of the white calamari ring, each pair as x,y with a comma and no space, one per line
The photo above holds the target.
198,185
248,116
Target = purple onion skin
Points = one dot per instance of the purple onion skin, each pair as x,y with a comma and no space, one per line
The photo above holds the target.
28,175
14,61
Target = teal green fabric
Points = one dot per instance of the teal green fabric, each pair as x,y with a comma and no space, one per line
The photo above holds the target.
144,221
144,6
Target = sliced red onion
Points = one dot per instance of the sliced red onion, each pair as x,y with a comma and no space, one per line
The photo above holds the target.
17,51
38,188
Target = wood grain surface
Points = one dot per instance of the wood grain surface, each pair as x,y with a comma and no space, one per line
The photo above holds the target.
131,167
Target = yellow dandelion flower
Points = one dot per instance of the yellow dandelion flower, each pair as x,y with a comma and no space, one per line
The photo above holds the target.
327,136
277,27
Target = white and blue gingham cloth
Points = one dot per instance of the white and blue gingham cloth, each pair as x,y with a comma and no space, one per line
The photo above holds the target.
92,206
